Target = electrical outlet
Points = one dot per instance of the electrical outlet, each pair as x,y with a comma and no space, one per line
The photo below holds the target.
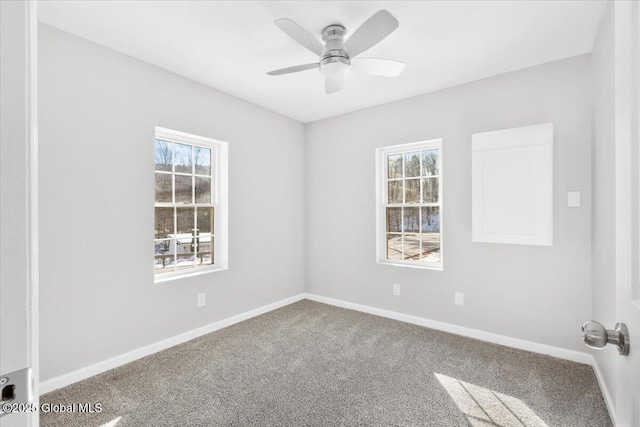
459,298
201,300
396,289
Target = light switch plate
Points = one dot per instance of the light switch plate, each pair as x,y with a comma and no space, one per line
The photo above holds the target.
573,199
459,298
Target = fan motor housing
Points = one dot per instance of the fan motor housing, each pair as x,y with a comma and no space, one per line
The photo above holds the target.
335,60
333,37
334,32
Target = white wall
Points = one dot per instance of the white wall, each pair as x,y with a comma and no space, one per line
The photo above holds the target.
603,224
536,293
98,109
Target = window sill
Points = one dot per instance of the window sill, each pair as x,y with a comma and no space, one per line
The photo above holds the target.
168,277
437,267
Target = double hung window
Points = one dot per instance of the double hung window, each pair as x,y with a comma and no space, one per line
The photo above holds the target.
410,204
190,204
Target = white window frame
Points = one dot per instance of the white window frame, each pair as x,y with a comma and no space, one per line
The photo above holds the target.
219,200
381,198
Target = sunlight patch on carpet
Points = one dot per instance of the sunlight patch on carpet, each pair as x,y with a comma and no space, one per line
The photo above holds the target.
112,423
483,407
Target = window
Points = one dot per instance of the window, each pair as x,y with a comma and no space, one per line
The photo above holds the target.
409,194
190,204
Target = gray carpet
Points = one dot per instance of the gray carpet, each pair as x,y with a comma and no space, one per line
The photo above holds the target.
311,364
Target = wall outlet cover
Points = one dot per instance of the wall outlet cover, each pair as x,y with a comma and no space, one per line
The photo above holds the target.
202,300
459,298
396,289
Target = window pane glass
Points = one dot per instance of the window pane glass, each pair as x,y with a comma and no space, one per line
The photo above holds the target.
186,260
203,190
412,190
430,247
412,247
412,164
431,219
394,220
205,221
203,160
430,190
183,158
394,166
164,256
411,220
394,246
184,191
430,162
164,155
185,222
163,187
204,250
204,225
394,191
164,222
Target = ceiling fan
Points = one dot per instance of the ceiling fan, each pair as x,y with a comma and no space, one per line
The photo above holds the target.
337,56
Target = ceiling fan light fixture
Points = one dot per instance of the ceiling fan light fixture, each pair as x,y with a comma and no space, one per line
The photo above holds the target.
335,66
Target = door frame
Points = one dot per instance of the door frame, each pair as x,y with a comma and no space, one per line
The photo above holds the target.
26,89
34,266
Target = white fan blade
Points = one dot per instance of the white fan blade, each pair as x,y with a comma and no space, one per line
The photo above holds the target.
333,84
376,28
300,35
294,69
377,66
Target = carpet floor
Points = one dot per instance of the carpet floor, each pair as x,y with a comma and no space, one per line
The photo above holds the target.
311,364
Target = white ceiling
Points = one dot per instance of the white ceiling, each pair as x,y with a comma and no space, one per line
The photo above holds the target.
230,45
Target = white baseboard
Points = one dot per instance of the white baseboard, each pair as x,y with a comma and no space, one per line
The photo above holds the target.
562,353
608,400
114,362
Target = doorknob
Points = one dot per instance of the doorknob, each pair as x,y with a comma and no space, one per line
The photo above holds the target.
597,336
